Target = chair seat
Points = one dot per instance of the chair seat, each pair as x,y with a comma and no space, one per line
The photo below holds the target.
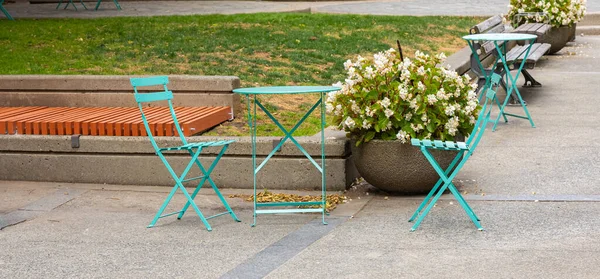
194,145
438,144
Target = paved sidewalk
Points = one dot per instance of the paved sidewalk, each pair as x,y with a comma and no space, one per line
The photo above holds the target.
535,189
376,7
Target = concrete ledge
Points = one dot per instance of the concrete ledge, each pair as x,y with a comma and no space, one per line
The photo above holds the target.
591,30
131,160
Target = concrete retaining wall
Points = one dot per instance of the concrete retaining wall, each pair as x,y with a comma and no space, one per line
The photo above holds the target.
131,161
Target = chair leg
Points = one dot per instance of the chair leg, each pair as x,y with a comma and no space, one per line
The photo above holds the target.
206,177
447,185
115,1
163,207
5,12
82,4
435,187
179,184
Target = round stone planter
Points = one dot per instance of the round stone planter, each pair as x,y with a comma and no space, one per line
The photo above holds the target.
398,167
558,37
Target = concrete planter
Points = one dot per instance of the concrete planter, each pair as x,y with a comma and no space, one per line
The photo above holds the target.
558,37
397,167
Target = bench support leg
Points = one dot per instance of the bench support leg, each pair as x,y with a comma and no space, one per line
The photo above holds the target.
529,80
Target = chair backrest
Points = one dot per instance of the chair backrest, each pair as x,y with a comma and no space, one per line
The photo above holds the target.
484,114
165,95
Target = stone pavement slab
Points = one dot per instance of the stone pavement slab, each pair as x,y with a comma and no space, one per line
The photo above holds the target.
103,233
522,240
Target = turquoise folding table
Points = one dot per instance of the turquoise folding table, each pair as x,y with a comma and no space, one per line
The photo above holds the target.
500,41
252,102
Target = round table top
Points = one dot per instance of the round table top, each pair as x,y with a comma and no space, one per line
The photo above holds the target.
285,90
499,37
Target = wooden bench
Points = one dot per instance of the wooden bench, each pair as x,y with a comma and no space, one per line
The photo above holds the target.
104,105
488,52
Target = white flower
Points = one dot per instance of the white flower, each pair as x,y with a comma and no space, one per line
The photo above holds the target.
329,108
441,94
403,91
413,104
417,127
369,112
431,99
403,136
385,102
449,110
347,64
421,86
369,73
338,110
366,124
349,123
424,118
421,71
471,106
474,86
381,62
452,125
388,113
354,107
388,126
405,75
441,56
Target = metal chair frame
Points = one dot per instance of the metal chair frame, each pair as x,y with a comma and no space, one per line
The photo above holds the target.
465,150
194,149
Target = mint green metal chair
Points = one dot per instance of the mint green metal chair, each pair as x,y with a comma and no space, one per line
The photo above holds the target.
115,1
465,150
4,11
194,150
70,2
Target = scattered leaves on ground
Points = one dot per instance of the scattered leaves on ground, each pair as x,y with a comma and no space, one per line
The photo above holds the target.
266,196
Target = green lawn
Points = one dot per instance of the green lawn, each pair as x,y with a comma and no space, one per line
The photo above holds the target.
261,49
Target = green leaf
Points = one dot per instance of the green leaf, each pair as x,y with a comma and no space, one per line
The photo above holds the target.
431,127
369,136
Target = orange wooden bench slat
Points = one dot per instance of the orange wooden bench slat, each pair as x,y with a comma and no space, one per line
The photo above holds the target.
110,121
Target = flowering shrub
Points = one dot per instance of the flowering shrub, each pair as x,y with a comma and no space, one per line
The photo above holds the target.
386,98
558,12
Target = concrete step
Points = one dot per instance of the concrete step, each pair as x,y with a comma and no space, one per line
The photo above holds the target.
590,19
588,30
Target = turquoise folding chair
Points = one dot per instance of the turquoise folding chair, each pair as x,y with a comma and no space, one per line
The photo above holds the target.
465,150
193,148
70,2
115,1
4,11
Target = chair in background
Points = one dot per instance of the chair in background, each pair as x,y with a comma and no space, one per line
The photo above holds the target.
194,149
115,1
465,150
70,2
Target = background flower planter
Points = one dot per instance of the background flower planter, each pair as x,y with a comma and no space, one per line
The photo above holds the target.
397,167
558,37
